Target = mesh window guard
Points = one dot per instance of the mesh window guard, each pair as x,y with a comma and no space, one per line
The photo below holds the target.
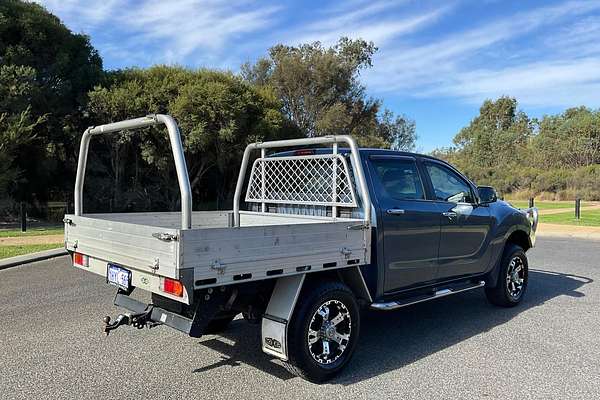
314,179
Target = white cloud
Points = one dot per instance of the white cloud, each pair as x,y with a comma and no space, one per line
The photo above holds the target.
541,84
191,24
374,21
546,56
82,13
577,39
159,31
453,66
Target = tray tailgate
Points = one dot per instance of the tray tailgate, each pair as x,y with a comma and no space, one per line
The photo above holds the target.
127,244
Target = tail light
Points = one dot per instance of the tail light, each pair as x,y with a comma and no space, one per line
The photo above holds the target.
81,260
171,286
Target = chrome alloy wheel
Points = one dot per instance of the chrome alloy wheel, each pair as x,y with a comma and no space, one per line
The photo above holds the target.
329,332
515,277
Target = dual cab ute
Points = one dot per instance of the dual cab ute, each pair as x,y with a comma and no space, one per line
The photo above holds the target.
326,230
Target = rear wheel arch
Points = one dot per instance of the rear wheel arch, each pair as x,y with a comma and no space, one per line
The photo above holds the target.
350,276
303,355
292,313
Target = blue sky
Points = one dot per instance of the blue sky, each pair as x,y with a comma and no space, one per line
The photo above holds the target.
437,60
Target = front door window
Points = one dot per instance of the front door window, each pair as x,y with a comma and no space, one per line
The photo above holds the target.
448,185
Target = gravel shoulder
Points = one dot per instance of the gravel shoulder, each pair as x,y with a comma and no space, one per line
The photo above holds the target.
568,231
25,240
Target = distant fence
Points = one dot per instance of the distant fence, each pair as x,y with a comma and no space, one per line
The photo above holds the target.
576,203
41,214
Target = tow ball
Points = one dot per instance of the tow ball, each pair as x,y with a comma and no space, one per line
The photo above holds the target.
138,321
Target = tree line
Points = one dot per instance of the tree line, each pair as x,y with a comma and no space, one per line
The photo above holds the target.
555,157
53,86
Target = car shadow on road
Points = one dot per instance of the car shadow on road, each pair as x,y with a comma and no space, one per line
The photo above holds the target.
241,344
392,340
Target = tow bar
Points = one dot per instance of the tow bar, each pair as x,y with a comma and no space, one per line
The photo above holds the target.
138,320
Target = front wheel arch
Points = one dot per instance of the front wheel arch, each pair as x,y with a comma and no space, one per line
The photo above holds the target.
499,295
520,238
517,238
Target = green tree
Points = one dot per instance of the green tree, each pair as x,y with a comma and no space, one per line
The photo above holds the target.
45,73
498,135
557,157
570,139
218,115
493,144
17,126
15,132
395,131
321,94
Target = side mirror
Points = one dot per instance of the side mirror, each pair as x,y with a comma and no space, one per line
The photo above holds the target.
487,194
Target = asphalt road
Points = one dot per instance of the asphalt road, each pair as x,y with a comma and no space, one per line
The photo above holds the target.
458,347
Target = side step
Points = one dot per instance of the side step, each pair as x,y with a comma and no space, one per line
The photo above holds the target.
394,305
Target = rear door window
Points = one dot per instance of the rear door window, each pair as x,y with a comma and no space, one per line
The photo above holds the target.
399,178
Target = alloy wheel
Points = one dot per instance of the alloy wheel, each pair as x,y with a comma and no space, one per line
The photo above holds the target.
515,277
329,332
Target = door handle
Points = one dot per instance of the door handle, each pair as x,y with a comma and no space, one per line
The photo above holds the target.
395,211
449,214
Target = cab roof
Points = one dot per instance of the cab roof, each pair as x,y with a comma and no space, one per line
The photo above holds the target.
344,150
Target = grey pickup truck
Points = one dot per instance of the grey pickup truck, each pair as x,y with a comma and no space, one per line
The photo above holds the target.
324,232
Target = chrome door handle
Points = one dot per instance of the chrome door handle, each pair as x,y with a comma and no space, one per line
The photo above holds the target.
449,214
395,211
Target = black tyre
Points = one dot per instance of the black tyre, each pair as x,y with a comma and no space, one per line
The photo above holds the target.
219,324
512,279
323,331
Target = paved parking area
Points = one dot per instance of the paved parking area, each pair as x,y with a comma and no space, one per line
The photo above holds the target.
459,347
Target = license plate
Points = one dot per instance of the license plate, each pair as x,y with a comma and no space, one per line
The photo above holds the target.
118,276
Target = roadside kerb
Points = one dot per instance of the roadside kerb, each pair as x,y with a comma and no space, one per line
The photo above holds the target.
29,258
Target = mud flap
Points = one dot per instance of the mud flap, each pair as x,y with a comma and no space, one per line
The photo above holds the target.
279,311
209,306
